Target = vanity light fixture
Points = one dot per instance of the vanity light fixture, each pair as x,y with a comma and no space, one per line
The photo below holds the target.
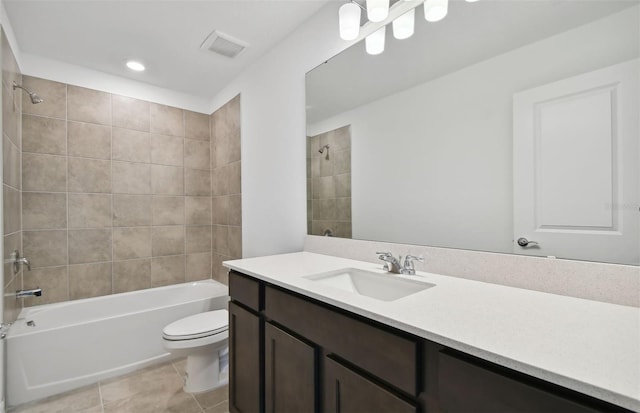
435,10
135,66
374,43
349,16
377,10
403,26
349,20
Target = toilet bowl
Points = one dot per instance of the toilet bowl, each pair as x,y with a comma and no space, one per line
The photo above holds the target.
203,339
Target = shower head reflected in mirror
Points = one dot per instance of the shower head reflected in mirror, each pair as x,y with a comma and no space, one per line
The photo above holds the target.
321,150
35,99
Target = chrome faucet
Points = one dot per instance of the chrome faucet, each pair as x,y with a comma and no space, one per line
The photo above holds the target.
408,268
18,261
392,264
28,293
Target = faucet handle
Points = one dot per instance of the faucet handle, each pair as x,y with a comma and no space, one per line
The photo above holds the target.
410,258
408,267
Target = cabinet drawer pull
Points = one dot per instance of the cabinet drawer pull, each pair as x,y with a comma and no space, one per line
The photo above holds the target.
337,396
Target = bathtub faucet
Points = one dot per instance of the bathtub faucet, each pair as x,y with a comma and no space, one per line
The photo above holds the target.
18,261
27,293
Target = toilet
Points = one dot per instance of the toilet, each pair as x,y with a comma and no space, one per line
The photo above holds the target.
203,338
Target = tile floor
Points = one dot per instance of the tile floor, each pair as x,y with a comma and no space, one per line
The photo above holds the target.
156,389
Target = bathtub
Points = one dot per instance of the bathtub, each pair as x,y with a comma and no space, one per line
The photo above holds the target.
80,342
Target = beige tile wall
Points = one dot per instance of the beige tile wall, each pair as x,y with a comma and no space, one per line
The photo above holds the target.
118,192
11,180
226,184
329,183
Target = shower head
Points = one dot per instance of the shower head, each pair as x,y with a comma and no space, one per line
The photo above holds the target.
35,99
321,150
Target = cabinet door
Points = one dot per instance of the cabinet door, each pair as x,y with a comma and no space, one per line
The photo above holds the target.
347,392
244,360
290,373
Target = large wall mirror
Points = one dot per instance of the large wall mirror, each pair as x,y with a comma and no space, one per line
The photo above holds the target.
510,126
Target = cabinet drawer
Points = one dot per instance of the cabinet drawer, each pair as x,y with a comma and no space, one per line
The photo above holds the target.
467,387
387,356
244,290
345,391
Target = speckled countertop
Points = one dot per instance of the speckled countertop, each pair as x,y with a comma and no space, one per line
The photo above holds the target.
588,346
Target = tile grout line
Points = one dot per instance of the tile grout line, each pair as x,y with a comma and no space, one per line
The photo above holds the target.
100,394
113,284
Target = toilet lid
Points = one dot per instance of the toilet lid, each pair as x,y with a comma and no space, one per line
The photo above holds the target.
197,325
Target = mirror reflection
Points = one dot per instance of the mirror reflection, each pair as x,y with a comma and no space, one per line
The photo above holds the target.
508,127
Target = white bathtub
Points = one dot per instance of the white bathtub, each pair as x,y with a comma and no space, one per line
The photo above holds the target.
81,342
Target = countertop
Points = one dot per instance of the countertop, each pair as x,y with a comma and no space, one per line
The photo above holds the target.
588,346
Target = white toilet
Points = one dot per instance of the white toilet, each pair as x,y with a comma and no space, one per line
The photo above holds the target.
203,338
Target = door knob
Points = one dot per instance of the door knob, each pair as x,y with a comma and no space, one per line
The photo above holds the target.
523,242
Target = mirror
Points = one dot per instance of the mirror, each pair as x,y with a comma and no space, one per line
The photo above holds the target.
507,127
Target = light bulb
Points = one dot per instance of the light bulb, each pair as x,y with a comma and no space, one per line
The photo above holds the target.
374,43
435,10
403,25
471,1
377,10
349,19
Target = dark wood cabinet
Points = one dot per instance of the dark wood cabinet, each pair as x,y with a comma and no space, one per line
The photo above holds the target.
465,386
290,373
345,391
292,354
244,360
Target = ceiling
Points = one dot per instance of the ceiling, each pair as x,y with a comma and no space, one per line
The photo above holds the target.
471,33
164,35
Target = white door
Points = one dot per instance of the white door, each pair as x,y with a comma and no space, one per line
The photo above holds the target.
576,174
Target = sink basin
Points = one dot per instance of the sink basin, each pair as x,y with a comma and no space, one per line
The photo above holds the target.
383,287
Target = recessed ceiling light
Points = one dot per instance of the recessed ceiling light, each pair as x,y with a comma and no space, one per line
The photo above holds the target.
133,65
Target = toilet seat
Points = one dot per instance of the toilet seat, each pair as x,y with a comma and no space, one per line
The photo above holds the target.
198,326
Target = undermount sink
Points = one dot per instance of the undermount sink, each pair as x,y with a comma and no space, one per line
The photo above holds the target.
385,287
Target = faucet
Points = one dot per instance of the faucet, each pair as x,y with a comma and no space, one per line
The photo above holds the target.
27,293
392,264
408,268
18,260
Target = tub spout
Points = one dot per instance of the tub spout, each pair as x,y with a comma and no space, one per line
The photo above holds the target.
27,293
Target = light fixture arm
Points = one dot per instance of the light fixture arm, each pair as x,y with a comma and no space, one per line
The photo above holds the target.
358,4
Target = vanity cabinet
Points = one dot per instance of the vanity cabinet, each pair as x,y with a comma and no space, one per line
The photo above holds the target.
291,353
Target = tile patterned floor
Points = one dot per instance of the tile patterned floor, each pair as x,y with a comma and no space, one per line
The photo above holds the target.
156,389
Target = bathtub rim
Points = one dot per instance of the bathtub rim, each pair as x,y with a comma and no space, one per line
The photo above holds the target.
31,312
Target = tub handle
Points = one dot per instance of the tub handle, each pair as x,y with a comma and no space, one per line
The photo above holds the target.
4,330
18,261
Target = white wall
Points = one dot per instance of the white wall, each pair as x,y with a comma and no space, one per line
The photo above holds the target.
432,165
38,66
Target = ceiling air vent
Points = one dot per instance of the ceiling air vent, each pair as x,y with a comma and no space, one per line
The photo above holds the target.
223,44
